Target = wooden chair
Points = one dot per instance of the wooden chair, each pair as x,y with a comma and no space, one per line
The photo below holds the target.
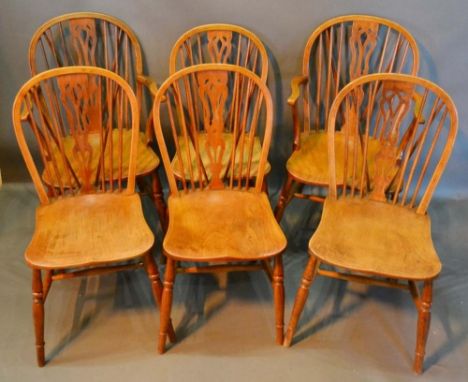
217,215
221,44
375,227
88,38
92,221
338,51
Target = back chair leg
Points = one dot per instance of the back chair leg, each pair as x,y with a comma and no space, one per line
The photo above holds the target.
265,185
157,288
166,304
424,321
301,297
278,290
158,198
284,198
38,315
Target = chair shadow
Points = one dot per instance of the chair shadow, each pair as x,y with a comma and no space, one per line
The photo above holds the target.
129,292
197,290
79,323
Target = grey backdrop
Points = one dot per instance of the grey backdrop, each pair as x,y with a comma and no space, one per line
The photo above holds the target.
439,26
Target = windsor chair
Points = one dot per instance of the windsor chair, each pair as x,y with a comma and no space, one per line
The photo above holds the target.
79,230
375,227
216,217
95,39
222,44
338,51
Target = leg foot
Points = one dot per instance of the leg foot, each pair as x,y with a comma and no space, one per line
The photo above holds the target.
278,290
166,304
424,321
301,298
157,288
38,315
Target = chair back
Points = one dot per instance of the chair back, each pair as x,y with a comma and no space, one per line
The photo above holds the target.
398,133
81,123
219,120
220,44
346,47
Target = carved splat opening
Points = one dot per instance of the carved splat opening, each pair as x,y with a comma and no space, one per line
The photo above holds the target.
213,91
83,41
219,46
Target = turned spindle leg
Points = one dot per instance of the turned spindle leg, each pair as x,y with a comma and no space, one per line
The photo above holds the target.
424,321
284,198
278,290
158,198
38,315
157,287
301,298
166,304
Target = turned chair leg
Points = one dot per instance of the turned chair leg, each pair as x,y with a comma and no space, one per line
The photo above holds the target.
38,315
158,198
301,297
284,198
278,290
424,321
166,304
157,288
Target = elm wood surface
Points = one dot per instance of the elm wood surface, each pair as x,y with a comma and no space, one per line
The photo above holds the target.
222,225
223,44
217,215
364,228
338,51
96,39
79,225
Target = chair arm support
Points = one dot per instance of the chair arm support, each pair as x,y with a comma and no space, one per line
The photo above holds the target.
296,82
149,83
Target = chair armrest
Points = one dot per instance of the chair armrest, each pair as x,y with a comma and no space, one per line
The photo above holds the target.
149,83
296,82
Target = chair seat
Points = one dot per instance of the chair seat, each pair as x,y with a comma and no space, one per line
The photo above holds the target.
376,238
309,164
222,225
228,139
89,230
147,160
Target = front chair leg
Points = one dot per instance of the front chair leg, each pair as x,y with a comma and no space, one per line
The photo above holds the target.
166,304
38,315
424,321
284,198
278,290
301,298
157,288
158,198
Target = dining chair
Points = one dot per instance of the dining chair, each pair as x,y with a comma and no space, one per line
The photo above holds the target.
338,51
221,44
375,228
218,219
91,222
96,39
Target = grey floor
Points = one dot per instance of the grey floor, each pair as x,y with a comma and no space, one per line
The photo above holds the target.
105,328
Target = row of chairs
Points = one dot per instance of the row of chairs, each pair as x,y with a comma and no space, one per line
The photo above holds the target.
378,143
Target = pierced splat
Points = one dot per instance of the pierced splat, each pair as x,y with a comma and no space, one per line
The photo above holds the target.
396,98
83,40
362,41
81,99
213,91
219,45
